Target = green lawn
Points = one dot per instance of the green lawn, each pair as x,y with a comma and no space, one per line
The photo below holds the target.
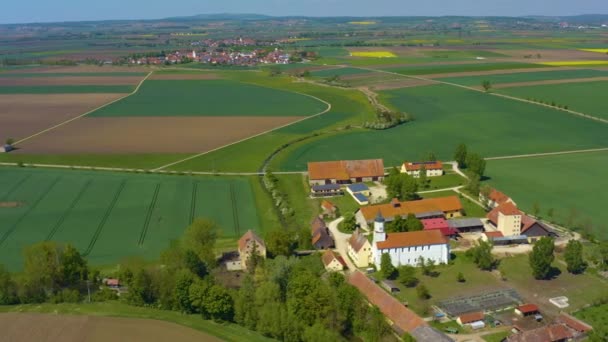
225,331
449,68
109,216
470,208
581,290
66,89
448,180
597,316
446,116
211,98
586,97
527,77
570,184
497,337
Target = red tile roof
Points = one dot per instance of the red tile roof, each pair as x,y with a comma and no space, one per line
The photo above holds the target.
112,282
498,197
440,224
357,240
471,317
346,169
390,210
409,166
411,239
574,323
528,308
550,333
496,234
327,205
250,235
328,257
507,208
402,317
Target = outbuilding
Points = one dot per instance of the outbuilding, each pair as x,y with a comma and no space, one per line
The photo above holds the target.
527,310
470,318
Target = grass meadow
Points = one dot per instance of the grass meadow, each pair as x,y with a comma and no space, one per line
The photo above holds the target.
446,116
585,97
109,216
571,185
210,98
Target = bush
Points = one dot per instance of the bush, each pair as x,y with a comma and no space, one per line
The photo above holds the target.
105,294
422,292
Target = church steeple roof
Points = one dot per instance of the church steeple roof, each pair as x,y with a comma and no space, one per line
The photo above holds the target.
379,217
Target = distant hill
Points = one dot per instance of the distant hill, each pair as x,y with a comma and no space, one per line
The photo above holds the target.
221,16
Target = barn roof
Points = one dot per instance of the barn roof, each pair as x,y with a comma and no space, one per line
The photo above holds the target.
390,210
346,169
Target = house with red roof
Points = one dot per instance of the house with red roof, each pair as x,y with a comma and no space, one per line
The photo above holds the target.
333,262
432,168
247,244
329,209
510,221
495,198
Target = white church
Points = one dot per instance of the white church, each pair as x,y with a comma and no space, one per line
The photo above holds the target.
407,248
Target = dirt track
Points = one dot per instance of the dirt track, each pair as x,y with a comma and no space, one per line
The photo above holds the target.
69,80
23,115
20,327
148,134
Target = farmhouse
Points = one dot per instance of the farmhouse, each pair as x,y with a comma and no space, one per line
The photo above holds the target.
439,224
441,207
470,318
495,198
359,249
333,262
321,239
247,244
433,168
345,171
407,248
511,222
329,209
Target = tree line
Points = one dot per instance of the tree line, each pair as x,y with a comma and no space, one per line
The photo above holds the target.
286,298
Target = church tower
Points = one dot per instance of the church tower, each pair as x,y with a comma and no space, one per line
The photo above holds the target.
379,234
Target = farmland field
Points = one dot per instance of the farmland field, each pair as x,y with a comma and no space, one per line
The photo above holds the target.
211,98
67,89
586,97
23,114
446,116
570,184
339,72
449,68
109,216
526,77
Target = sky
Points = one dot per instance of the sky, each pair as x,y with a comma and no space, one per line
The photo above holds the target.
82,10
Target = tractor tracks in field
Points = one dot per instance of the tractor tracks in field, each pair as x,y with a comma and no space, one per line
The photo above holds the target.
67,213
104,219
150,212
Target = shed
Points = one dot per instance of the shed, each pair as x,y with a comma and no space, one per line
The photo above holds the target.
470,317
468,225
477,325
390,286
527,310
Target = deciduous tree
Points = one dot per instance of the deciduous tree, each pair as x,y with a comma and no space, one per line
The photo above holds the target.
460,156
573,254
407,276
541,257
200,237
386,266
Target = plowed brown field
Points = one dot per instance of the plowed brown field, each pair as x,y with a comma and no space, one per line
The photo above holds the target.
149,134
24,115
20,327
70,80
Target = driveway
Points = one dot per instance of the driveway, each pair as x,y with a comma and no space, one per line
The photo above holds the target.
341,242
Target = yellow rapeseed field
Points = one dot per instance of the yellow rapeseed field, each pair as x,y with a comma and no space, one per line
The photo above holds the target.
362,22
595,50
575,63
374,54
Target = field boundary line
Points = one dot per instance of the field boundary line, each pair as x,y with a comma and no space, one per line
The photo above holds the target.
15,187
144,230
437,81
193,201
28,211
253,136
104,219
546,154
235,212
68,211
85,114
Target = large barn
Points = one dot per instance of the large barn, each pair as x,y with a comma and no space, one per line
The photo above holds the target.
345,171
